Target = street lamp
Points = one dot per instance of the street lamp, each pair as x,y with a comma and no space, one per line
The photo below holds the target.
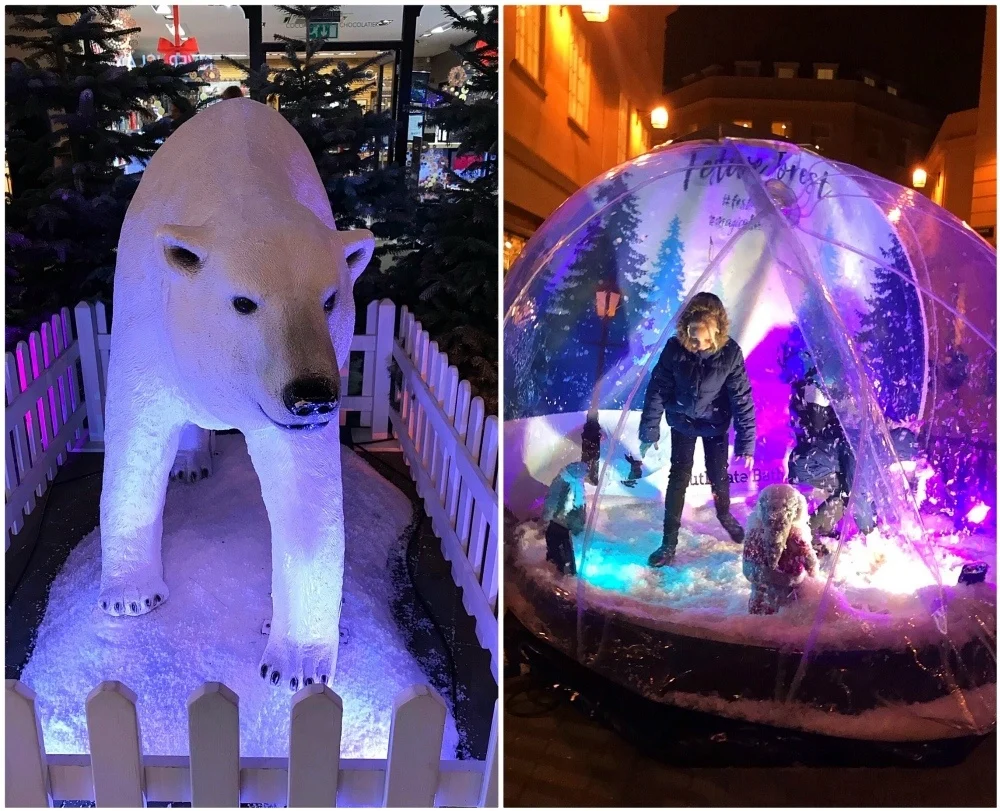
607,298
596,12
658,118
919,177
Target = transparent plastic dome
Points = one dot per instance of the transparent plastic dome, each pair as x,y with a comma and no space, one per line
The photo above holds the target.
892,302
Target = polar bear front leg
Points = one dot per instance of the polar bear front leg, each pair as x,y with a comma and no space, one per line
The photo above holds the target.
140,446
194,455
300,480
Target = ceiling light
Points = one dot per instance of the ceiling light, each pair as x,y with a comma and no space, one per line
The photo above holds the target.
595,12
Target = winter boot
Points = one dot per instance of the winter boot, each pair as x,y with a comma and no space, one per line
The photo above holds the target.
664,556
732,526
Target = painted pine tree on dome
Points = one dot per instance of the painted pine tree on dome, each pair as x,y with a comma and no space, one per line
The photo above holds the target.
625,265
653,302
887,335
565,361
813,309
669,288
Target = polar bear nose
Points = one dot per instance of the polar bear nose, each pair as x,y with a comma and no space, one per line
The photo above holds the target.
309,396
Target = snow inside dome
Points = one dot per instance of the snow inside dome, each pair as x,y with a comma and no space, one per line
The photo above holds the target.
889,303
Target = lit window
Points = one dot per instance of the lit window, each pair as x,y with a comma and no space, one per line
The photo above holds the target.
512,247
579,80
782,128
892,91
786,73
824,73
869,81
527,40
743,123
623,111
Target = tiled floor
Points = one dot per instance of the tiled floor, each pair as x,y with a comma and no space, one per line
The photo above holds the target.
561,758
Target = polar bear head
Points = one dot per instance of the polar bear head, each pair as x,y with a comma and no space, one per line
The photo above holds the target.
259,314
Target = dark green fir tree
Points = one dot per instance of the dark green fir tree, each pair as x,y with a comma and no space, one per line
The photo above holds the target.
447,270
65,104
319,96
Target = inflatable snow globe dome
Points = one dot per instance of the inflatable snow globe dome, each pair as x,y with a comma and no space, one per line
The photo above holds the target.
851,298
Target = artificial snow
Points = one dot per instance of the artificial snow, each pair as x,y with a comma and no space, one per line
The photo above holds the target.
217,562
881,594
945,717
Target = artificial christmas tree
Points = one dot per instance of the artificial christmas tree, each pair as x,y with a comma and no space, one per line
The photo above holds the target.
320,96
66,99
448,273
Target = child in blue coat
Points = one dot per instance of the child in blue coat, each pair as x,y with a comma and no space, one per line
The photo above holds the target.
700,382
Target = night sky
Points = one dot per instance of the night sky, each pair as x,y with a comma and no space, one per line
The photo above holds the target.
934,51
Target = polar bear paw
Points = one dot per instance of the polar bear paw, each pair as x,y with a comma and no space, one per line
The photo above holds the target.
132,595
192,465
296,666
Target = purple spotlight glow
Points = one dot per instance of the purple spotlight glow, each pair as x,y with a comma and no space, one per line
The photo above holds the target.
978,514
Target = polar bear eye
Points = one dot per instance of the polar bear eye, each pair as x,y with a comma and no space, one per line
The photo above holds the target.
243,305
328,304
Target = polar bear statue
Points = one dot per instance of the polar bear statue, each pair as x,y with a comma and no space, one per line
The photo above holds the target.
234,308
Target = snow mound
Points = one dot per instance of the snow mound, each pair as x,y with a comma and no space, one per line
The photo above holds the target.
881,595
217,562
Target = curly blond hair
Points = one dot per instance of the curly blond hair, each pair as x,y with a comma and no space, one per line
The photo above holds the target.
704,308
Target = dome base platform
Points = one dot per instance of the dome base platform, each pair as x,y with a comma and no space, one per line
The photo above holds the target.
692,738
927,691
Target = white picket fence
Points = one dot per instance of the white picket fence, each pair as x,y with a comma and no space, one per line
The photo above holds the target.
116,774
56,388
451,448
44,414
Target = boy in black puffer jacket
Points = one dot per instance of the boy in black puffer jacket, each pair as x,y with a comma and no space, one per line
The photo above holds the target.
700,382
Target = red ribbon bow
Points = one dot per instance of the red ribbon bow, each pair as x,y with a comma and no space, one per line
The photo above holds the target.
188,47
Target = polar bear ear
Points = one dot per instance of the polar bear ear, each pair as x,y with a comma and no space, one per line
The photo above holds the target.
184,247
359,245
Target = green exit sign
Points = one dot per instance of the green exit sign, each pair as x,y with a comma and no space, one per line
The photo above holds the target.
324,30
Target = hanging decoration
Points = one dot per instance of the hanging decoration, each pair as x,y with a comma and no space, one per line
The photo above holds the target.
489,53
457,77
186,50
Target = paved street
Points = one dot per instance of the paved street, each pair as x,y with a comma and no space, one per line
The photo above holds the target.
560,758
